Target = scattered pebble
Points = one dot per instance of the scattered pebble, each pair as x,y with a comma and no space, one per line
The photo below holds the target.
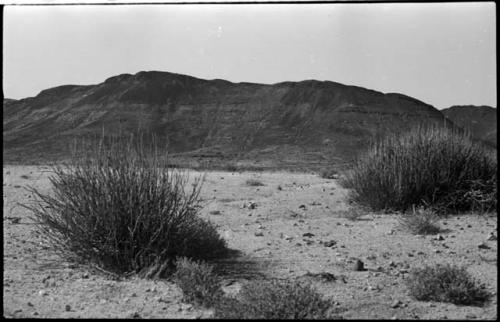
359,266
396,304
330,243
483,246
492,236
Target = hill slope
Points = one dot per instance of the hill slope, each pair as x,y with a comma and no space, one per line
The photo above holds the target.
480,120
284,124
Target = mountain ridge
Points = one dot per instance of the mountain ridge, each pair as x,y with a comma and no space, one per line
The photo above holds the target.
308,123
481,120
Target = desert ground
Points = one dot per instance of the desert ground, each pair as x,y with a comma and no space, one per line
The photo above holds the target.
292,227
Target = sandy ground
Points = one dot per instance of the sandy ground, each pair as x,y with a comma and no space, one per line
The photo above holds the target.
267,225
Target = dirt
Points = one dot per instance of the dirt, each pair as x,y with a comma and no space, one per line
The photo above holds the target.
293,227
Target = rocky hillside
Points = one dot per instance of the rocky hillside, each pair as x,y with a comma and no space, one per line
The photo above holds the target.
307,123
480,120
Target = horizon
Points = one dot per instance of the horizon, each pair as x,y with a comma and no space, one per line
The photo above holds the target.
46,47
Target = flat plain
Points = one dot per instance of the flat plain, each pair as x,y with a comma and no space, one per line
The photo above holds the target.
294,226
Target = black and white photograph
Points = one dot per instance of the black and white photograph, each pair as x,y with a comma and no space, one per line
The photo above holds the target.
249,160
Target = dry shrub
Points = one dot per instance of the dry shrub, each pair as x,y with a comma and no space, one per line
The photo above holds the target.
421,222
435,166
446,283
118,205
275,299
199,284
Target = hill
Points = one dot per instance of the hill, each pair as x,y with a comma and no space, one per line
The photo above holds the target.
480,120
290,124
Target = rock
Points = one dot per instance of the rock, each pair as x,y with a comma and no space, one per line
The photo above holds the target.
492,236
439,237
302,207
133,295
330,243
30,304
35,313
135,315
85,275
259,234
67,308
483,246
215,212
358,266
308,235
396,304
470,316
42,293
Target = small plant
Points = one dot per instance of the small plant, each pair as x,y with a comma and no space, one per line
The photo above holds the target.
352,214
275,299
199,284
421,222
117,204
329,173
254,183
446,283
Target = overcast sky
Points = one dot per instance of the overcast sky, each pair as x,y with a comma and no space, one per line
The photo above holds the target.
443,54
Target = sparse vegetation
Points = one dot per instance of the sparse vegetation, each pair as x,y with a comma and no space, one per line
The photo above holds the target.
352,214
254,183
421,222
446,283
118,205
199,284
275,299
329,173
433,166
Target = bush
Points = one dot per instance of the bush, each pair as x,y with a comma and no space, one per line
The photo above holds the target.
421,222
275,299
446,283
199,285
116,204
433,166
254,183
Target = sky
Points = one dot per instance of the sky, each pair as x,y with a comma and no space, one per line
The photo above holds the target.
441,53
